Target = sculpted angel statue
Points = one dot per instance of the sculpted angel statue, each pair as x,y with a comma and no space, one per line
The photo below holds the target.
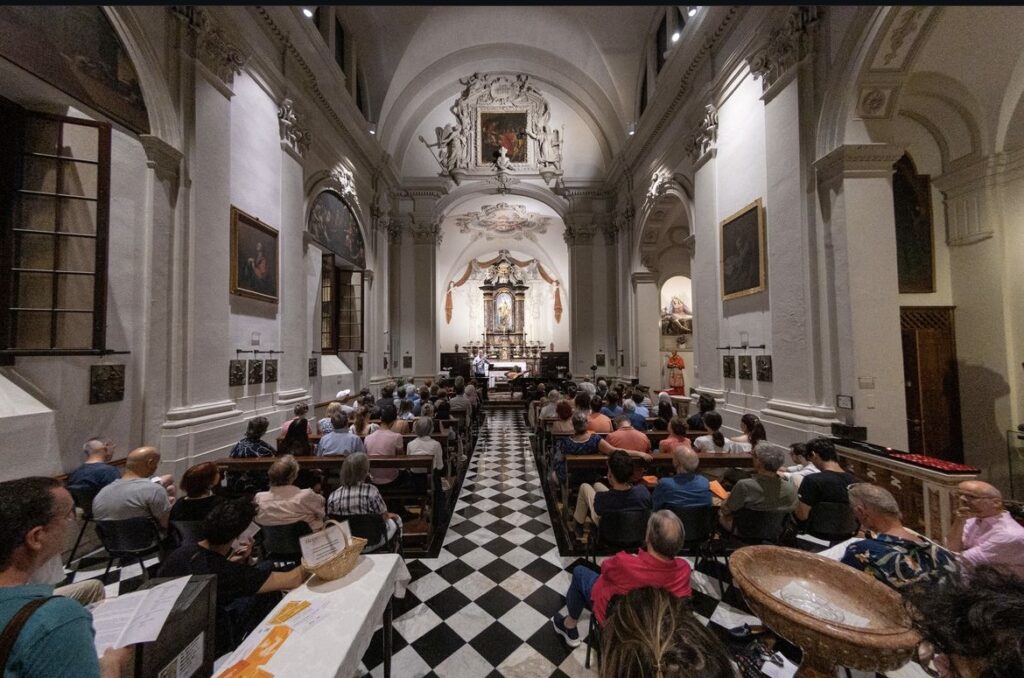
549,146
451,146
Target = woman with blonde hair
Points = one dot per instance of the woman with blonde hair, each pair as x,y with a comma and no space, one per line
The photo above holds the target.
324,425
650,633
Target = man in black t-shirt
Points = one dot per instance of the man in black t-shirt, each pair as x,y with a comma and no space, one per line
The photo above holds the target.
245,593
827,486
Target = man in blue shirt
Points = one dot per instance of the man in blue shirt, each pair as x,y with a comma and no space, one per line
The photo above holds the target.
612,409
597,500
629,410
56,641
95,473
686,488
339,441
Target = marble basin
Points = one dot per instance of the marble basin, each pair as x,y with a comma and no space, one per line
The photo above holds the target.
837,615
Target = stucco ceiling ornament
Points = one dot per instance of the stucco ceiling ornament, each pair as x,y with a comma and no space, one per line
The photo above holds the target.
704,137
659,184
503,221
492,113
214,49
786,47
293,133
346,183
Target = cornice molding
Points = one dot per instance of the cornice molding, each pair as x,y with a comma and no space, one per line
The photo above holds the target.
295,137
861,161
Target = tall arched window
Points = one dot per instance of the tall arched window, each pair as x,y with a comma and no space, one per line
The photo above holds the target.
332,223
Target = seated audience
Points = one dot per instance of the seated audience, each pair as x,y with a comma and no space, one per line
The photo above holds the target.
136,494
582,441
442,409
676,437
602,388
715,442
581,403
300,410
983,531
973,626
341,440
549,410
385,442
405,411
612,410
638,421
252,444
827,486
324,425
655,565
284,503
563,412
424,444
356,496
296,441
361,425
597,422
890,552
650,633
387,397
686,488
753,432
197,483
56,641
95,473
626,437
473,395
765,491
423,399
665,408
705,404
459,402
245,593
597,500
641,404
802,466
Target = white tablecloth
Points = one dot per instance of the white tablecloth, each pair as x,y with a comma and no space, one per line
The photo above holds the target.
330,637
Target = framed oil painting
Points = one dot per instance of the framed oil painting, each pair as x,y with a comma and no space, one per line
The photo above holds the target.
746,367
503,129
255,372
106,383
236,373
332,223
743,250
763,365
676,325
254,258
729,366
599,360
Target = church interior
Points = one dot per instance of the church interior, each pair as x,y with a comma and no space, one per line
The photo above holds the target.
564,325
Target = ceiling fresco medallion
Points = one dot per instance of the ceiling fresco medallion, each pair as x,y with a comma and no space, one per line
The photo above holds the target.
503,221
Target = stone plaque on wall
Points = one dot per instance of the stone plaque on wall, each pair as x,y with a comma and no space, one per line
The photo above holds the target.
255,371
764,367
270,371
313,366
106,383
406,362
729,366
746,367
236,373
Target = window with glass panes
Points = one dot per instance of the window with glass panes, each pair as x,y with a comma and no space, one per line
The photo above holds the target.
56,218
341,308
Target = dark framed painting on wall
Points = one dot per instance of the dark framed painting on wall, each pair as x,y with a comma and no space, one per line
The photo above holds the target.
499,129
406,362
912,211
743,250
599,360
763,367
729,366
254,257
746,365
255,372
333,224
236,373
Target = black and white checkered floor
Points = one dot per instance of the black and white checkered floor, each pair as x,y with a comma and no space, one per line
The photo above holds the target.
482,607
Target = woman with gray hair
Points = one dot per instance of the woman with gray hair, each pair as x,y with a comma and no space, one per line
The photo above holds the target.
358,496
285,503
765,491
890,552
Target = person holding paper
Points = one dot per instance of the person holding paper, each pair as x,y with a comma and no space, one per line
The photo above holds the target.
242,589
285,503
56,639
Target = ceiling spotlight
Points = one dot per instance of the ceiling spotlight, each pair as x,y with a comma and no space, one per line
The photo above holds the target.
692,11
372,128
631,128
308,12
675,37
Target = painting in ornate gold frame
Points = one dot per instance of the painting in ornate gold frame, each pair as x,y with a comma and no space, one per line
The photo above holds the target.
743,252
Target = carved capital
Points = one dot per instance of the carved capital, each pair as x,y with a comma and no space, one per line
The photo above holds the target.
345,182
427,233
394,229
704,137
294,135
579,232
659,184
214,50
786,47
863,161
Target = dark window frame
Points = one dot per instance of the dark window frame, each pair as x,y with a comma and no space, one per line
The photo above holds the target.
333,300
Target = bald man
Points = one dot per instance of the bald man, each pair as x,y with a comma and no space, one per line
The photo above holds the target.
686,488
983,531
136,494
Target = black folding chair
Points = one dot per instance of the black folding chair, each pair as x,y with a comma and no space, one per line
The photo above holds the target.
188,531
281,542
83,501
619,531
699,524
832,521
373,528
129,539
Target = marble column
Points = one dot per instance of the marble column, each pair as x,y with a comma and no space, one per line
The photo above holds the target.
855,197
579,238
646,316
707,295
421,299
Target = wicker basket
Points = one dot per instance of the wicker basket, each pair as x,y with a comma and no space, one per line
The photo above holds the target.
341,563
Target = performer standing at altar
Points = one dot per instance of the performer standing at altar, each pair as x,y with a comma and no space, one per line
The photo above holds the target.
675,372
480,366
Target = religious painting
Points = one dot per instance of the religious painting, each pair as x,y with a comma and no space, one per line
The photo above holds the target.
912,210
270,371
676,314
359,363
255,372
729,366
406,362
743,250
253,257
746,367
314,366
236,373
332,223
504,312
499,130
75,49
763,364
599,360
106,383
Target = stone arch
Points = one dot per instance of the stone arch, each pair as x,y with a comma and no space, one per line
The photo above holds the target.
326,181
673,194
467,191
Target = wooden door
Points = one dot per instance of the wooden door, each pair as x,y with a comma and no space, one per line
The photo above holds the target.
932,382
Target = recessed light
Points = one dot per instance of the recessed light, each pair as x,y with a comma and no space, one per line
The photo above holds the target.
675,37
691,12
372,128
308,12
631,128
